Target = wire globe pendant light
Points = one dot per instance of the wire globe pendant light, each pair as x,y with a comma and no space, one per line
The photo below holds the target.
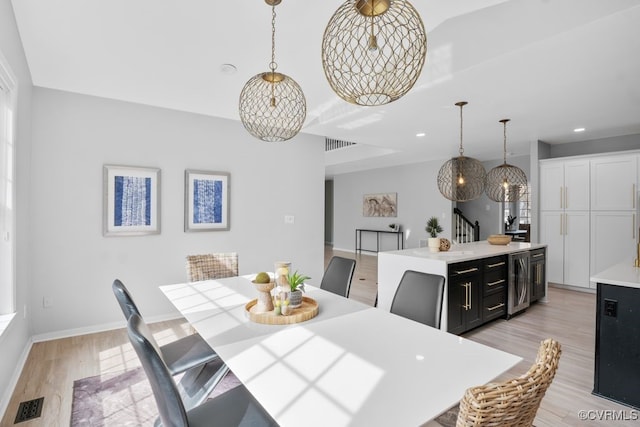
373,50
272,105
506,183
462,178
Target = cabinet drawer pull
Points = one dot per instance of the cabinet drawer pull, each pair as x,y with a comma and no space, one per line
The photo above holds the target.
497,282
537,255
497,264
469,270
467,298
495,307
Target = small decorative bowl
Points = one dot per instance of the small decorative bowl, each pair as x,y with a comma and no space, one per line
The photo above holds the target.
264,287
499,239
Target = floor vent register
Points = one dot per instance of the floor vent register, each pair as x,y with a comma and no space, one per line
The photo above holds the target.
29,410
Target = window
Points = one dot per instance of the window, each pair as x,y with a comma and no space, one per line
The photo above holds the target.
7,193
520,209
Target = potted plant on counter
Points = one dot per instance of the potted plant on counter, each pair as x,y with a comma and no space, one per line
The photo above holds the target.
296,282
433,228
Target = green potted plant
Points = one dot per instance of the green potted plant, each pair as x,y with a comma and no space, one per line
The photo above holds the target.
433,228
296,282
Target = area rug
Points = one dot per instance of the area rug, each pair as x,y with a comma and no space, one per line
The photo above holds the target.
125,399
122,399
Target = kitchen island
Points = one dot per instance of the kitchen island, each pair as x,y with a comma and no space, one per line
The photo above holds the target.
476,278
617,353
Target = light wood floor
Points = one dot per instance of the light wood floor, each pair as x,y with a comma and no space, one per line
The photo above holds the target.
569,317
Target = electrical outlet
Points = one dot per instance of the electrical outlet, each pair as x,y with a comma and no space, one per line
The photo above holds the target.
289,219
46,302
610,307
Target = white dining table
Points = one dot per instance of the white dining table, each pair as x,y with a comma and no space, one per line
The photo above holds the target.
351,365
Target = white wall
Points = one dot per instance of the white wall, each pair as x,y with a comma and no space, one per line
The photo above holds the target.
74,265
418,199
14,342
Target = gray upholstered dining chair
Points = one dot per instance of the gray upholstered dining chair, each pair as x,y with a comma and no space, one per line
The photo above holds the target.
180,355
337,277
419,297
235,407
212,266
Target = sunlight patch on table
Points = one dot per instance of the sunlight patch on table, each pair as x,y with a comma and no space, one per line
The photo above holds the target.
363,380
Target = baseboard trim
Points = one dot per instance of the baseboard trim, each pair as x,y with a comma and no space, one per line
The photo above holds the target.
8,393
357,253
48,336
572,288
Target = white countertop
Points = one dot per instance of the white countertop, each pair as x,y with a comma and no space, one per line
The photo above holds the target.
467,251
622,274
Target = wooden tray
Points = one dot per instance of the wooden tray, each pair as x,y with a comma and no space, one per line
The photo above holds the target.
306,311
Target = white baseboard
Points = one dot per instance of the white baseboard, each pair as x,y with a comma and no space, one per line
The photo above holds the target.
8,392
48,336
354,252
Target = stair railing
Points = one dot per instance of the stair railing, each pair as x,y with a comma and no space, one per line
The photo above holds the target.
465,230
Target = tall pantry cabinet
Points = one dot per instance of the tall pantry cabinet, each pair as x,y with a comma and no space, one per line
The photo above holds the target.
614,225
564,220
587,214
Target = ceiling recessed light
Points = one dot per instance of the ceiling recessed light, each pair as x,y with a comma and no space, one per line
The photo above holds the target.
579,130
228,69
420,134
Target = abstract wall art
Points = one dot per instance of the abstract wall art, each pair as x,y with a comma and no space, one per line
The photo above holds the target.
381,204
206,201
131,200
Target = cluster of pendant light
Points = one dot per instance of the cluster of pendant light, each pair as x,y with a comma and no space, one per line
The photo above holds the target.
373,52
464,178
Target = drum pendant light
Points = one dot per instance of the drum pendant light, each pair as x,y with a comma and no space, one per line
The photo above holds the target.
462,178
506,183
272,105
373,50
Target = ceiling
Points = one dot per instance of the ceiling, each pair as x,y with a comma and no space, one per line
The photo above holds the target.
548,65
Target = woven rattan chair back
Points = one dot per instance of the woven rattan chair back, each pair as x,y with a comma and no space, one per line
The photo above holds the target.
212,266
514,402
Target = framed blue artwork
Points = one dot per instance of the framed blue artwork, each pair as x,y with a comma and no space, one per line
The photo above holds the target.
206,201
131,201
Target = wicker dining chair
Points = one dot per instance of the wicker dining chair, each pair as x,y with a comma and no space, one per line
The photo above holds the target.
514,402
212,266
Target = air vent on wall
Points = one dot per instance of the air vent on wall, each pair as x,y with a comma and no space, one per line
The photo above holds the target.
334,144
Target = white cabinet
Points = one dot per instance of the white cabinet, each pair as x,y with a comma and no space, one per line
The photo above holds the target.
613,183
564,185
588,214
613,239
564,220
566,234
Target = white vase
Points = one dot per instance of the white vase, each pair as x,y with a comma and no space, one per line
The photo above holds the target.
434,244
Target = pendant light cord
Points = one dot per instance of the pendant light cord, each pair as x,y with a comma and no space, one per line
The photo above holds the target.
504,148
273,64
461,104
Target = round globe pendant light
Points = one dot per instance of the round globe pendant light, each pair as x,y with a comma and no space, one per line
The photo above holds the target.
462,178
373,50
506,183
272,105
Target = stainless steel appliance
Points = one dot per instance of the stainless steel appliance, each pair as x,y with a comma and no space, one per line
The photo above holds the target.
519,279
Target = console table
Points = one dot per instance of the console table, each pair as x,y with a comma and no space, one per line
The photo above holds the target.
359,231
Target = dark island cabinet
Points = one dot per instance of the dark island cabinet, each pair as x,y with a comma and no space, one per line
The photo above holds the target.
538,279
477,293
465,296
